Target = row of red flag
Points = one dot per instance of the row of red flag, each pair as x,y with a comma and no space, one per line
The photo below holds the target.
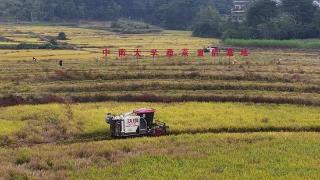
171,52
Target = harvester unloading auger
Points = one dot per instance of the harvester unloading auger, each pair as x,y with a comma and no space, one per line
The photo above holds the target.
139,122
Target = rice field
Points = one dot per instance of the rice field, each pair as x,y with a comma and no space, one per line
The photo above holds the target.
89,42
201,156
181,117
243,117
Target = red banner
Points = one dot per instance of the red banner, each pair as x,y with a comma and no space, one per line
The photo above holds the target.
138,53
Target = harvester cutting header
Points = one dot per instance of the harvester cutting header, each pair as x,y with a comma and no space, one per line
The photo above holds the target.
139,122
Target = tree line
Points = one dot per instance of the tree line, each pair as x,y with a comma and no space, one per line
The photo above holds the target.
267,19
171,14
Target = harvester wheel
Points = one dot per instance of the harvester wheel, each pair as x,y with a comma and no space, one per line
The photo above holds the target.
157,132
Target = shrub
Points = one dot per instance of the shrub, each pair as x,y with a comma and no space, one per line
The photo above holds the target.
62,36
27,46
133,27
22,158
8,46
52,44
207,23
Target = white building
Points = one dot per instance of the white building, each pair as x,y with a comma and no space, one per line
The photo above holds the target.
316,2
240,7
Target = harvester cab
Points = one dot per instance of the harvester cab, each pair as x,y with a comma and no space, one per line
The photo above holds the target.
139,122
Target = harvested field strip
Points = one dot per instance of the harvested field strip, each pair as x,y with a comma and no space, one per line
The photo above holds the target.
195,85
169,74
196,93
145,85
198,98
94,68
309,73
243,76
116,71
179,63
159,80
173,93
71,76
152,96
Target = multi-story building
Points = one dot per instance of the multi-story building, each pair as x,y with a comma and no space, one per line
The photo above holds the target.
240,7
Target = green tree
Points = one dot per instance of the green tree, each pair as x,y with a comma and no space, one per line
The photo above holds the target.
65,9
236,30
261,12
302,10
62,36
207,23
177,14
172,14
281,27
316,20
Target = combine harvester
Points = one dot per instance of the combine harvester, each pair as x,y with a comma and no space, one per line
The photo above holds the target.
139,122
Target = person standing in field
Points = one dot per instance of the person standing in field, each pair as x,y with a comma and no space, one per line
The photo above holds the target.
60,63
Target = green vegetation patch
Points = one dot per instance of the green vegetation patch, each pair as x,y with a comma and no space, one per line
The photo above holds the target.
266,43
9,127
133,27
